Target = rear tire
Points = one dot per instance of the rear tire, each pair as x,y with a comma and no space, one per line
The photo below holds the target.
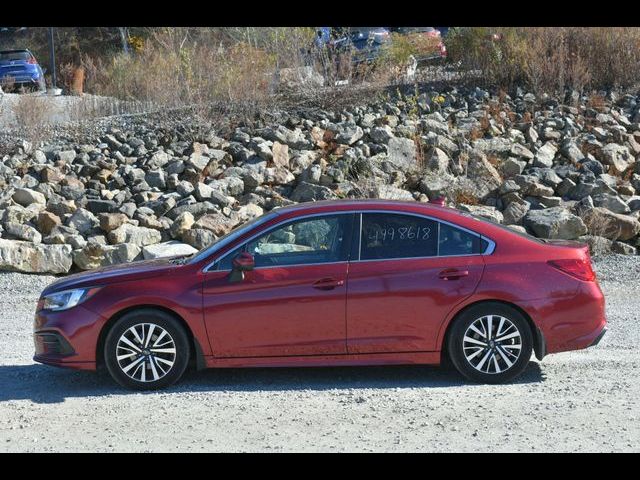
146,349
490,343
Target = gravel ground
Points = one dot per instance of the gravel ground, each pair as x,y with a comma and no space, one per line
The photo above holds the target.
575,401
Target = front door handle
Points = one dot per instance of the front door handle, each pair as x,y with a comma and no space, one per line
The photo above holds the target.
328,284
453,274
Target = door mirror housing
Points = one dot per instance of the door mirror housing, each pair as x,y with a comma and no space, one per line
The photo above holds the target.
243,262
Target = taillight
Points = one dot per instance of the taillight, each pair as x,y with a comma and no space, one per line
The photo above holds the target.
32,61
580,269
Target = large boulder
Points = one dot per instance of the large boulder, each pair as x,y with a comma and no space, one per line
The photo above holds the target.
140,236
402,153
617,156
167,249
26,197
26,257
217,223
94,255
555,222
614,226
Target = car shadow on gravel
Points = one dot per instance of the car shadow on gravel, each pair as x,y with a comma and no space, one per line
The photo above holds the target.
43,384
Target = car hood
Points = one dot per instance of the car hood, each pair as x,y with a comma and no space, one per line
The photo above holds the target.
113,274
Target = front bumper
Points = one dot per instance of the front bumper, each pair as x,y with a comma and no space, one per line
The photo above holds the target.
68,338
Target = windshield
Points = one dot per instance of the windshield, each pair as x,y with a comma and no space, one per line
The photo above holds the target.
231,236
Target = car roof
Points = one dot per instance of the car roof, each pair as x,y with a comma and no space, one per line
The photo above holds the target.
363,204
16,50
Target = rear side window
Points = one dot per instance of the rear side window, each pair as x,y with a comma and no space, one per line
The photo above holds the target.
454,241
397,236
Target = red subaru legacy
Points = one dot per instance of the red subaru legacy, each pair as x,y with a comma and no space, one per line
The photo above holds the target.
331,283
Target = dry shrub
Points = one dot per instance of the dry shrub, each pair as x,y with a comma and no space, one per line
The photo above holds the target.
465,196
33,113
597,101
549,59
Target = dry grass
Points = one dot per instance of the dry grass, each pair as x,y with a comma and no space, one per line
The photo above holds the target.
549,59
32,114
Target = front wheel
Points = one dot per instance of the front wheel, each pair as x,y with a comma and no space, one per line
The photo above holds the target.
490,343
146,349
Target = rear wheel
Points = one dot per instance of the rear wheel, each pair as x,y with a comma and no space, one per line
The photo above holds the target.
490,343
146,349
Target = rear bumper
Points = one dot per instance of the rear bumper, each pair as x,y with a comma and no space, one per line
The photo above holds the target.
571,323
599,337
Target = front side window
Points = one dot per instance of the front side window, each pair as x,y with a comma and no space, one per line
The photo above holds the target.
306,241
387,235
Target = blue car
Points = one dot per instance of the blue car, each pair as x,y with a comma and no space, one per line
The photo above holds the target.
19,68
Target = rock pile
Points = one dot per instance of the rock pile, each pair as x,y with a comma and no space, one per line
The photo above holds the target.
139,191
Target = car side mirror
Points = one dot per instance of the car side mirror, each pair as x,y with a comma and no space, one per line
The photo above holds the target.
243,262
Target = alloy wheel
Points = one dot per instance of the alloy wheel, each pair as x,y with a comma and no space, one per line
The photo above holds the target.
146,352
492,344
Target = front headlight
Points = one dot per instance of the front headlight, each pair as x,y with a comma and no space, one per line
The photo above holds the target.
66,299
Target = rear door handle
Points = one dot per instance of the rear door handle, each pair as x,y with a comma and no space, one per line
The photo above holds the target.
328,284
453,274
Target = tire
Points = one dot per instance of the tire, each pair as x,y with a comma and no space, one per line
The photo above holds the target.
137,367
480,357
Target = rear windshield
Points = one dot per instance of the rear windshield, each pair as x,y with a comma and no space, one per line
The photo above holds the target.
19,55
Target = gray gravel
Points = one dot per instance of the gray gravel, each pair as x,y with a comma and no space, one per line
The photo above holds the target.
575,401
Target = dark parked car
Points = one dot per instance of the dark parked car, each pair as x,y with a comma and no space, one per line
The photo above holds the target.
19,68
365,282
427,42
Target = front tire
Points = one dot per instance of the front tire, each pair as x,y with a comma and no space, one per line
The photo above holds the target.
490,343
146,350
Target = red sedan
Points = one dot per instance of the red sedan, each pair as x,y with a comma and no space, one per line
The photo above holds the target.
331,283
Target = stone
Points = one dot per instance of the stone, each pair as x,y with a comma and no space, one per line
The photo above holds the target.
545,155
140,236
21,231
111,221
95,255
26,197
611,202
181,224
27,257
515,212
438,161
511,167
381,135
402,153
280,155
555,222
217,223
46,221
614,226
82,220
167,249
307,192
198,238
389,192
490,213
617,157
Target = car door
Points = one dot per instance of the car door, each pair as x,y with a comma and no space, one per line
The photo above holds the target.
410,273
293,301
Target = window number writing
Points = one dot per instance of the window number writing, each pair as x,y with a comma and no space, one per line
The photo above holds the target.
400,233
